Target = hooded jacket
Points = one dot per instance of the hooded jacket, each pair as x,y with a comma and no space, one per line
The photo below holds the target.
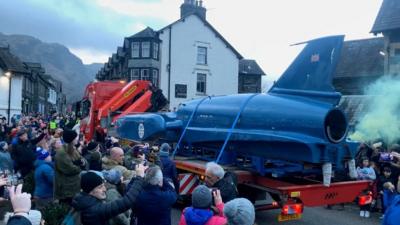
23,154
44,179
67,182
392,214
154,204
194,216
96,212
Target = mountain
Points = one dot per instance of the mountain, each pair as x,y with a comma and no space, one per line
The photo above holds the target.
57,60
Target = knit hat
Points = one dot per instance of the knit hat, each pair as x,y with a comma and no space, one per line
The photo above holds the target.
239,211
41,153
2,145
92,146
90,181
112,176
201,197
164,149
69,135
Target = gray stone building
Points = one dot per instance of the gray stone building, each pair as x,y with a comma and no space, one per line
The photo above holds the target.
250,74
388,23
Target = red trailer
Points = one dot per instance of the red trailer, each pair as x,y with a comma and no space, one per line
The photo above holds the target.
291,196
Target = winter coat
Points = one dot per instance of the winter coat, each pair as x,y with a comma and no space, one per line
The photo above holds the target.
112,195
5,161
67,181
18,220
193,216
227,186
109,164
366,173
44,179
154,204
23,154
392,214
94,160
169,170
383,180
96,212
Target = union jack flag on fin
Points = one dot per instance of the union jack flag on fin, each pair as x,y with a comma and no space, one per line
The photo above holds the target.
314,57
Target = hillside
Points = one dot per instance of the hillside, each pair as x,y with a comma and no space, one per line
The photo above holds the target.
58,61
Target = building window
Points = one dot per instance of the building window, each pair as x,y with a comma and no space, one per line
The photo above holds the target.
155,50
135,49
202,55
135,74
145,75
145,49
397,52
201,83
180,91
155,78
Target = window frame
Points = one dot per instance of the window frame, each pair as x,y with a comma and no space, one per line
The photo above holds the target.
143,49
201,75
142,76
155,82
156,50
133,49
201,55
132,74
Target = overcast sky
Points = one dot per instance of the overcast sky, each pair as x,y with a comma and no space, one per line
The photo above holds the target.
258,29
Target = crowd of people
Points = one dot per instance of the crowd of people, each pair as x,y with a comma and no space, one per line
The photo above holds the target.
380,163
103,182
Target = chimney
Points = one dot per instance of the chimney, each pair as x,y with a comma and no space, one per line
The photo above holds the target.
193,7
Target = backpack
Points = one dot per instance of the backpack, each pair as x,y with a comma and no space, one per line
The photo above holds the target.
73,218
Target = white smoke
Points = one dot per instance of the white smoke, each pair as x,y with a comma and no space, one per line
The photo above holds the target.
382,119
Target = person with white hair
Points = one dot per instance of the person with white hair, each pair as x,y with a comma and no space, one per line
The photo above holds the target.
239,211
156,200
216,177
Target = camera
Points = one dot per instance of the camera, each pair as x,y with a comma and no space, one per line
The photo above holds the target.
385,157
13,180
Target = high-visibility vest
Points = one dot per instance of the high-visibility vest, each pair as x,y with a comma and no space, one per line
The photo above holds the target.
53,125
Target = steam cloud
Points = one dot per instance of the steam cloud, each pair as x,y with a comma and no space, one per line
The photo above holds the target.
382,119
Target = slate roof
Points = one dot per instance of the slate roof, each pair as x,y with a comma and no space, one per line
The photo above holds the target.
361,58
355,106
146,33
250,66
9,62
238,55
388,17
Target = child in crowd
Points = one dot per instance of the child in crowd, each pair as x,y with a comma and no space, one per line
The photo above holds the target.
365,172
386,188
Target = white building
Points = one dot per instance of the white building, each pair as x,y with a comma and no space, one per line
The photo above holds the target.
11,70
196,61
187,59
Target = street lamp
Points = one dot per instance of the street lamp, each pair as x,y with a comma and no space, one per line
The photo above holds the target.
8,74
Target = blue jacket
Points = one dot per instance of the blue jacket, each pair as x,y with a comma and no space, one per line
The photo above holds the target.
392,214
169,171
5,161
44,179
154,205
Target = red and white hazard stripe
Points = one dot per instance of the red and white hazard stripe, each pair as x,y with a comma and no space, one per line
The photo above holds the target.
187,183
